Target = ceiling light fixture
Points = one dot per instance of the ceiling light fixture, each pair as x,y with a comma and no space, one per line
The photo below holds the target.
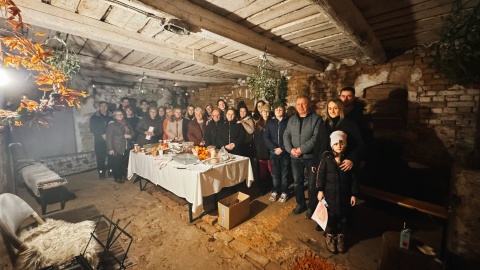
176,26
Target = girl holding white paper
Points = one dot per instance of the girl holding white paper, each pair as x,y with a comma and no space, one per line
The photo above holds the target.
339,188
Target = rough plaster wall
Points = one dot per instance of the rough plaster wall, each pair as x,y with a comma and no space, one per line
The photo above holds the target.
111,94
368,80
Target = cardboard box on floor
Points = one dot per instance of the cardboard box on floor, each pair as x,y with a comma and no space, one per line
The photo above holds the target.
233,209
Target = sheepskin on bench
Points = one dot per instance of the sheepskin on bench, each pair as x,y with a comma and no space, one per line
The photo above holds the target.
57,242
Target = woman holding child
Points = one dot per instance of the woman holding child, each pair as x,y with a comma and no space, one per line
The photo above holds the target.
337,127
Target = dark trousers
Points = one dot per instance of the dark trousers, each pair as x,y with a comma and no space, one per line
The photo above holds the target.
264,174
298,170
280,172
312,190
336,224
120,164
101,155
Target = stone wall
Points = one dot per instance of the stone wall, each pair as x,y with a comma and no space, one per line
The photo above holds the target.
232,94
441,116
463,232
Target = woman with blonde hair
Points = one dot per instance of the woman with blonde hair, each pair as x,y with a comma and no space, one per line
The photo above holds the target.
336,121
168,116
177,126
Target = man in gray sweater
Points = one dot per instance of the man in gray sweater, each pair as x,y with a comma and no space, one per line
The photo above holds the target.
299,139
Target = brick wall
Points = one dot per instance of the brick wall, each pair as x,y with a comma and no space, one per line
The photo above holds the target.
441,116
232,94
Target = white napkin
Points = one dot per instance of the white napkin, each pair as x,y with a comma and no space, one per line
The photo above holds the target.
161,161
199,167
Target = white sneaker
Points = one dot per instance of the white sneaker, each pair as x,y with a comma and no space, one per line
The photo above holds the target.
273,197
283,197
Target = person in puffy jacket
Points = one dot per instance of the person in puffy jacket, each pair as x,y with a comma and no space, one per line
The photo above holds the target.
299,139
339,188
279,158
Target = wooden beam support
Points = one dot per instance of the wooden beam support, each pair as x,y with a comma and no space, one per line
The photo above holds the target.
51,17
223,30
90,62
349,20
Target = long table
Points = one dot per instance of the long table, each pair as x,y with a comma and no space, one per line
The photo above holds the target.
189,184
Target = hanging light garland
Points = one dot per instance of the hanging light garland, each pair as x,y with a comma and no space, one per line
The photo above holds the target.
263,83
34,57
268,83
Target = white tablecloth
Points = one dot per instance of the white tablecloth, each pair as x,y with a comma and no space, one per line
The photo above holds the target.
188,184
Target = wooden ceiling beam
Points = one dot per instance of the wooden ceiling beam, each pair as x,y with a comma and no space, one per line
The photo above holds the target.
51,17
90,62
223,30
349,20
128,80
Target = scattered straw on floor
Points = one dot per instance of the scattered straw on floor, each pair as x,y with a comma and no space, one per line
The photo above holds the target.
311,261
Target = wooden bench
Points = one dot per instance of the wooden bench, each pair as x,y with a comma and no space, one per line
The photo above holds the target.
36,176
424,207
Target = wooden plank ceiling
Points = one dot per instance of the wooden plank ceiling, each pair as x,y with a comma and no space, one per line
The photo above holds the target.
123,39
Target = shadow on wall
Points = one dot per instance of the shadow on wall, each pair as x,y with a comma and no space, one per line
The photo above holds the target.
407,159
40,142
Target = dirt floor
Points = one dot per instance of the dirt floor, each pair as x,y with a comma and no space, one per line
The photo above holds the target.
271,238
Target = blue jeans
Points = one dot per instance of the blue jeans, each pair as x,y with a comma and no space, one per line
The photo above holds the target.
280,172
298,170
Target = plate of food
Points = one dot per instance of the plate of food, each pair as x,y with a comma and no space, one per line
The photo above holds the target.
216,160
201,152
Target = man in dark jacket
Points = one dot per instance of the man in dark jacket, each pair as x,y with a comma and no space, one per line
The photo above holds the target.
299,139
98,126
124,102
212,130
279,158
149,129
357,111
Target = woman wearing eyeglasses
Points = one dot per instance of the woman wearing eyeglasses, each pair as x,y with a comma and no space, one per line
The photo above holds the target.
119,132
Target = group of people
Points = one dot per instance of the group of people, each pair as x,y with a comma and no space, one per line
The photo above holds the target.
281,146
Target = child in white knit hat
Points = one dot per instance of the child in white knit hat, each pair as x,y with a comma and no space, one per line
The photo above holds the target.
339,188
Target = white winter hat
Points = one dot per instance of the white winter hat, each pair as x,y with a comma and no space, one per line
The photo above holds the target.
338,136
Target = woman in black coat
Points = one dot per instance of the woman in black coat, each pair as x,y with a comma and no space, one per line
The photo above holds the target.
262,154
231,134
119,133
336,121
